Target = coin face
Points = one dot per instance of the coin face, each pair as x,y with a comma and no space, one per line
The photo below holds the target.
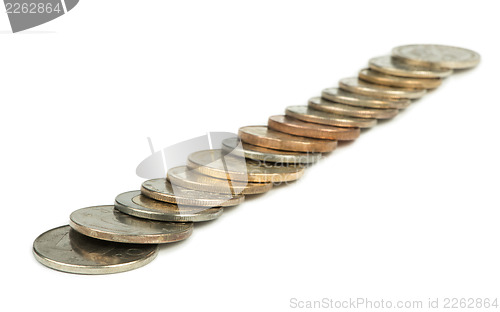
135,204
66,250
434,55
387,65
307,114
354,85
190,179
163,190
216,164
352,111
345,97
265,137
267,154
313,130
107,223
395,81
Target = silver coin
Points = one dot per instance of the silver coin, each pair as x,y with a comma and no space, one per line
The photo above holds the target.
269,155
137,205
387,65
354,85
305,113
378,78
345,97
66,250
434,55
107,223
352,111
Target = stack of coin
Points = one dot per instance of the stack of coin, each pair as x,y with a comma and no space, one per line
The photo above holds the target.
125,236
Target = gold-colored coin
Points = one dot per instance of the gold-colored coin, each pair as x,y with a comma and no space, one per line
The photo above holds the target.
387,65
188,178
345,97
434,55
401,82
224,166
163,190
352,111
307,114
262,136
311,130
353,84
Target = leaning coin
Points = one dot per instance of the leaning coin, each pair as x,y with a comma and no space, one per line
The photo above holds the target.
433,55
267,154
137,205
312,130
214,163
355,99
387,65
163,190
352,111
353,84
307,114
401,82
66,250
190,179
262,136
107,223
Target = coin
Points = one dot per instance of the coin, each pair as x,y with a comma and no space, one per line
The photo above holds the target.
214,163
313,130
401,82
137,205
307,114
262,136
107,223
433,55
66,250
267,154
354,99
163,190
188,178
353,84
387,65
352,111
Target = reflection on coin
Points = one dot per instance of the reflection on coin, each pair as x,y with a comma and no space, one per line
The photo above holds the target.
433,55
267,154
262,136
312,130
401,82
354,99
66,250
210,162
107,223
353,84
163,190
307,114
137,205
352,111
190,179
387,65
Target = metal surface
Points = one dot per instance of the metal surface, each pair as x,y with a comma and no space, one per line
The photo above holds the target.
107,223
351,111
138,205
400,82
163,190
387,65
265,137
307,114
345,97
353,84
433,55
66,250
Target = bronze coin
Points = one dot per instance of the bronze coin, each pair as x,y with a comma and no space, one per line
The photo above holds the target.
352,111
401,82
355,85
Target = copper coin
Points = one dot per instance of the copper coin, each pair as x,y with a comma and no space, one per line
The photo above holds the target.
307,114
390,66
401,82
434,55
345,97
262,136
353,84
312,130
352,111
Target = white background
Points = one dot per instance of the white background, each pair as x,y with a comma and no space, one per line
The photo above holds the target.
410,210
